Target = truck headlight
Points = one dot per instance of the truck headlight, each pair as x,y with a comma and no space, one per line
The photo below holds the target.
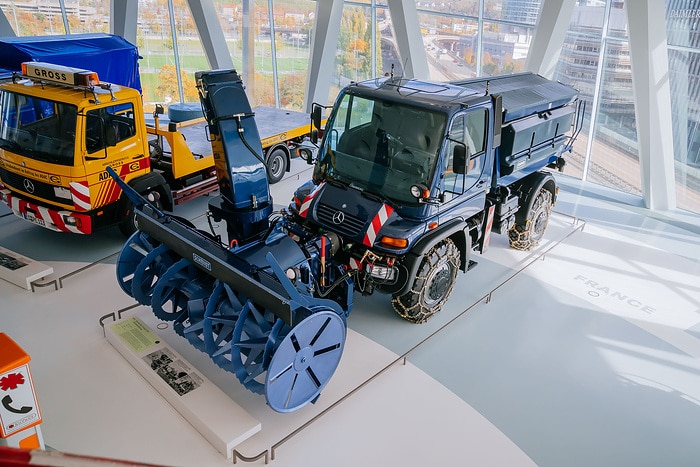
72,221
385,273
61,192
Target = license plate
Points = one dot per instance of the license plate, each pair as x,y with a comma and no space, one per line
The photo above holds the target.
34,220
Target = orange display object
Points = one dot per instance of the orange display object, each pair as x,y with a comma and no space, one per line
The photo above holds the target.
19,409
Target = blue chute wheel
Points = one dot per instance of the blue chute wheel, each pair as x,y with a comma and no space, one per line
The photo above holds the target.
135,250
253,343
181,284
140,264
220,317
304,361
147,273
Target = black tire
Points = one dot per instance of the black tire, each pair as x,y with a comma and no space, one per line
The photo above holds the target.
128,225
276,165
526,237
432,286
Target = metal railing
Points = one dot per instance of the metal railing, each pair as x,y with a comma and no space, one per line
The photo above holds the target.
578,226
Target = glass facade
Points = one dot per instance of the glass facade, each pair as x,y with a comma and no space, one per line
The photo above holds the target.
470,38
462,39
595,60
683,31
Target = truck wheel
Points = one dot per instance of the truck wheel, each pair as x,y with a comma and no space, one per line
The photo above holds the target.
129,225
433,284
276,165
528,236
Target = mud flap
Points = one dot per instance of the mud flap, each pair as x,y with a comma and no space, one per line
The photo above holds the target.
486,228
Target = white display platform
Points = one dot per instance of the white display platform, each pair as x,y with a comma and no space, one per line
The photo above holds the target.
20,270
220,420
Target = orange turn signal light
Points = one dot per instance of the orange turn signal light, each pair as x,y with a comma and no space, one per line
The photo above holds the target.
394,242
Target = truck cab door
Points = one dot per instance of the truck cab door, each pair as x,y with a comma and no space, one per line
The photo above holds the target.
110,138
464,188
107,127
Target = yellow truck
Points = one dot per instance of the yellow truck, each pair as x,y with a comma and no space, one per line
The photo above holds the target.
60,128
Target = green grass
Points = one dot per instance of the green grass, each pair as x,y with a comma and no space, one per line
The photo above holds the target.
152,63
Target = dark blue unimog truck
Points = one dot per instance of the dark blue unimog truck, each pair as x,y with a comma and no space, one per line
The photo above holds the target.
410,179
450,163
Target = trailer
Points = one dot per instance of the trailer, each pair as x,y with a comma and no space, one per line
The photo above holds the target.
61,127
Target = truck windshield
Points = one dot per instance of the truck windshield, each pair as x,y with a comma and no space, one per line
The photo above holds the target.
36,128
381,147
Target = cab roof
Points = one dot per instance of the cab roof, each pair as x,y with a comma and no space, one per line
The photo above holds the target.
523,93
78,96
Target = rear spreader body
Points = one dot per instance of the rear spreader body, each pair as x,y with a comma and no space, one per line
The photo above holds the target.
411,178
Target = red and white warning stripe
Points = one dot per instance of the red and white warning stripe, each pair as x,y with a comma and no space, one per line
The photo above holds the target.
80,193
355,263
48,218
379,220
304,208
487,230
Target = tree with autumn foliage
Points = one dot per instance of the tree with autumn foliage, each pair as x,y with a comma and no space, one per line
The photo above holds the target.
167,85
355,42
292,91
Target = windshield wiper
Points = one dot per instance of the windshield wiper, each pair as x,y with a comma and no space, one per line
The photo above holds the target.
337,183
372,196
11,145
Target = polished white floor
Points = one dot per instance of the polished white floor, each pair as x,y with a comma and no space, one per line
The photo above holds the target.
586,353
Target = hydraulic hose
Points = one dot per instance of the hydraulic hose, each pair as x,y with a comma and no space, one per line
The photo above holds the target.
240,132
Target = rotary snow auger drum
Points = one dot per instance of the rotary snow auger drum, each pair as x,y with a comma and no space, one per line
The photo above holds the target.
256,308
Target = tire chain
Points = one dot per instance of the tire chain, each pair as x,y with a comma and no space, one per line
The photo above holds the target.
520,239
422,317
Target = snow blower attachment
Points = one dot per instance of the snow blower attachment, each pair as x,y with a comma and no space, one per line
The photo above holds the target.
256,307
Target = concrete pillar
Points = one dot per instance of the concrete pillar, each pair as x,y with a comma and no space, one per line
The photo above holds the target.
652,96
123,17
5,27
210,33
322,57
552,24
248,46
409,40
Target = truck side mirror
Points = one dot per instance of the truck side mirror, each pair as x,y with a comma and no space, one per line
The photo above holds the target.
460,156
316,115
314,136
497,101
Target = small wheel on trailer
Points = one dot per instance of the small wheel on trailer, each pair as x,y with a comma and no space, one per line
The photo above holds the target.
156,150
525,237
432,286
276,165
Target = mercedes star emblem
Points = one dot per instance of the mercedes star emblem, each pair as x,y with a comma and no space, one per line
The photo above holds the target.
28,186
338,217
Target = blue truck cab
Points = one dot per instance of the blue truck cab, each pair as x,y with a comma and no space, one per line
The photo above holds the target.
412,176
